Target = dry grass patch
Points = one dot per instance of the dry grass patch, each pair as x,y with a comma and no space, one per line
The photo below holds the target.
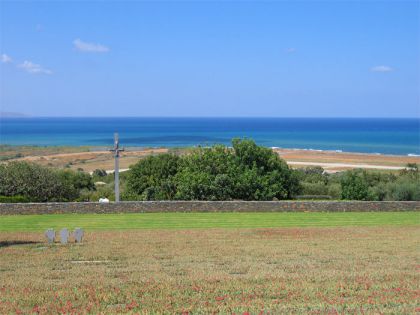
281,270
75,157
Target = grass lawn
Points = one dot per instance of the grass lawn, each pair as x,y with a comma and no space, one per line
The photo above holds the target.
201,263
92,222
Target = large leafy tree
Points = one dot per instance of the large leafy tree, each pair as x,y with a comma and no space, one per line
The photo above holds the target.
152,178
244,172
206,174
261,173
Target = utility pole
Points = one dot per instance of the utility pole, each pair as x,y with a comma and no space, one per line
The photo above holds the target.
116,150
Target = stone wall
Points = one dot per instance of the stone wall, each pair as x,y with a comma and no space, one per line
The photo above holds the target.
207,206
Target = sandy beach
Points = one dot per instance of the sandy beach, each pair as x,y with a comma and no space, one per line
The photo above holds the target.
337,161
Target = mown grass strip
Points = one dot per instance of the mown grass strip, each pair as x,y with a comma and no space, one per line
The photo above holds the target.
204,220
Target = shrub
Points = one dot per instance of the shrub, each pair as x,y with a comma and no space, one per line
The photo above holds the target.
404,189
373,185
106,191
313,174
317,188
411,171
38,183
379,192
99,173
334,190
354,186
30,180
13,199
77,180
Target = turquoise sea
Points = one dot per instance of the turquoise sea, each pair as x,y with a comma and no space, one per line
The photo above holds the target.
368,135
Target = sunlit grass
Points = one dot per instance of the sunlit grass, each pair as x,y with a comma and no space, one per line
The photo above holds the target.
204,220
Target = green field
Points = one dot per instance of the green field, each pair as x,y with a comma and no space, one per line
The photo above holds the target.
204,220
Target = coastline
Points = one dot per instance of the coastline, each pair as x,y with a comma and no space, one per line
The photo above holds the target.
367,135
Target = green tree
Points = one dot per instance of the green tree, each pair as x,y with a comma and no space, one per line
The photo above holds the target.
206,174
262,174
244,172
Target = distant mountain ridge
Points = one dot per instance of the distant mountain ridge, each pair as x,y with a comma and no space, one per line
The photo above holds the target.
13,115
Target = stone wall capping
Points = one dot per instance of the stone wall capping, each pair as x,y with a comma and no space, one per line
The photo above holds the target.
207,206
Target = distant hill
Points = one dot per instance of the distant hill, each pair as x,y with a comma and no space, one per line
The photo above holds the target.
12,115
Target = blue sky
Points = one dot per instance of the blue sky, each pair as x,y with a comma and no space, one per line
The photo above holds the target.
284,59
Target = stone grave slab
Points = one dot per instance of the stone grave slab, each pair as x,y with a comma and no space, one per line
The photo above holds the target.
64,236
50,235
78,235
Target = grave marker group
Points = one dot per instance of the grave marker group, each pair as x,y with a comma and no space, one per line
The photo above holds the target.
64,235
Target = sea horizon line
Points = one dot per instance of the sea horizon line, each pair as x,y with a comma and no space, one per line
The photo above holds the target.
211,117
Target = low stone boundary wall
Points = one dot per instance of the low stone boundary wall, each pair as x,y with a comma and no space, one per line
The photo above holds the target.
207,206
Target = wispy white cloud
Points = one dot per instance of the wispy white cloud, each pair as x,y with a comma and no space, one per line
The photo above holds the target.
89,47
5,58
34,68
381,69
290,50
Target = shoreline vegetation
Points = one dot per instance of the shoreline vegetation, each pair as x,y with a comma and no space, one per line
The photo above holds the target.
243,171
90,158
